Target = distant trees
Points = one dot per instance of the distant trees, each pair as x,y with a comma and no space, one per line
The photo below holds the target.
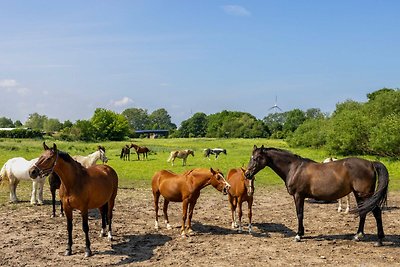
139,119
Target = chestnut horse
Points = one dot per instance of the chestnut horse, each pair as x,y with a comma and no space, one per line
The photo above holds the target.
305,178
182,154
81,188
140,150
241,190
184,188
85,161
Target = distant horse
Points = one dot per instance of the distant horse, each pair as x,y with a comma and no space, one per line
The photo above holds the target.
140,150
15,170
241,190
85,161
214,151
126,153
182,154
184,188
305,178
81,188
340,199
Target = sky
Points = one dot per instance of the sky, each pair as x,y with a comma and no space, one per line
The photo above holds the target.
64,59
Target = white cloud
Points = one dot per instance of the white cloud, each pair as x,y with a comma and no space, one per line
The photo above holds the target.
23,91
122,102
8,83
236,10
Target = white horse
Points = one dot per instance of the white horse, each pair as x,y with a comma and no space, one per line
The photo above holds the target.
340,199
90,160
16,169
182,154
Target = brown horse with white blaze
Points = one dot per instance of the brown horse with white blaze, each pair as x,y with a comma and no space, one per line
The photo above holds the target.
305,178
241,190
81,188
184,188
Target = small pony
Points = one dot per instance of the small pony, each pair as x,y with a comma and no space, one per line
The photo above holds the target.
182,154
241,190
214,151
140,150
81,188
340,199
16,170
184,188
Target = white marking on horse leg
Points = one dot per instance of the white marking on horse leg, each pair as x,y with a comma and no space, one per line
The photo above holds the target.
297,238
156,225
33,196
340,205
103,232
110,238
250,228
169,227
348,203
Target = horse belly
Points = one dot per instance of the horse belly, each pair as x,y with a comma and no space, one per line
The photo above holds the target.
171,192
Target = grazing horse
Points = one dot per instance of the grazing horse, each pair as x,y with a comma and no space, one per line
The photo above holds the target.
126,153
182,154
16,170
340,199
241,190
184,188
140,150
327,181
81,188
214,151
90,160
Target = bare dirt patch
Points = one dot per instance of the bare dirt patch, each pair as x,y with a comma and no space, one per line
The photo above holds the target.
29,237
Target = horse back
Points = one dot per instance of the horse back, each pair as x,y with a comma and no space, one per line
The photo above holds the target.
170,185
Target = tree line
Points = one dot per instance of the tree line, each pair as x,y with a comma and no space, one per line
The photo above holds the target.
353,128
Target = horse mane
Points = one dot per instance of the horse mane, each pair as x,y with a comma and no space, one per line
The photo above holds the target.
266,149
66,157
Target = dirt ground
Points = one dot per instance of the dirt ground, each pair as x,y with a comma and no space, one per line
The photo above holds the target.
30,237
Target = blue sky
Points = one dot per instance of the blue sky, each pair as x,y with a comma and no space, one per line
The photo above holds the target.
64,59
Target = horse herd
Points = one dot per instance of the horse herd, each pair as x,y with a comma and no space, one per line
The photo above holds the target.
83,185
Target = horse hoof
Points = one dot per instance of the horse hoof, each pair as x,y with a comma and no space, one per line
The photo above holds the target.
358,237
88,254
297,238
378,244
53,216
68,252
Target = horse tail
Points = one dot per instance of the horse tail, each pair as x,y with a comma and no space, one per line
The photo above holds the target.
379,198
3,173
122,154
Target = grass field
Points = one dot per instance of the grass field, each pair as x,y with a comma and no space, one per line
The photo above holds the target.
138,173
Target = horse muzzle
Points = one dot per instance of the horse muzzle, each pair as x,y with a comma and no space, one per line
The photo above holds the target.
226,188
34,172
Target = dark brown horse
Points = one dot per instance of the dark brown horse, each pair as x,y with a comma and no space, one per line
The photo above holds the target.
241,190
81,188
305,178
126,153
184,188
140,150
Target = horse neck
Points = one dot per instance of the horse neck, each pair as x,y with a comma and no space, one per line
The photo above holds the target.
68,172
93,158
200,180
281,162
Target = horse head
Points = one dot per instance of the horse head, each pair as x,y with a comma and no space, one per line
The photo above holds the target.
103,156
219,182
46,162
248,183
257,162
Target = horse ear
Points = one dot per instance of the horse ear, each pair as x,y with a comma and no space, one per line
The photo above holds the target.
54,147
254,147
212,171
262,146
243,169
45,146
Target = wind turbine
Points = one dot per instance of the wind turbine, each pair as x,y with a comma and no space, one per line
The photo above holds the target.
275,106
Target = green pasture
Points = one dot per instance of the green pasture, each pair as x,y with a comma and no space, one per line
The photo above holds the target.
136,173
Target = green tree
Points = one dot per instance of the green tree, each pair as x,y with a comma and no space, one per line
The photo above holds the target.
137,118
52,125
312,133
36,121
109,125
160,119
6,123
294,119
385,139
196,126
83,130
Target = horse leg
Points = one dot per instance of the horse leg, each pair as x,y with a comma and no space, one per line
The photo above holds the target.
191,208
103,211
232,201
250,207
13,190
185,204
68,214
165,211
53,200
378,217
240,214
110,216
348,204
34,189
340,205
156,196
40,196
299,201
360,232
85,228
